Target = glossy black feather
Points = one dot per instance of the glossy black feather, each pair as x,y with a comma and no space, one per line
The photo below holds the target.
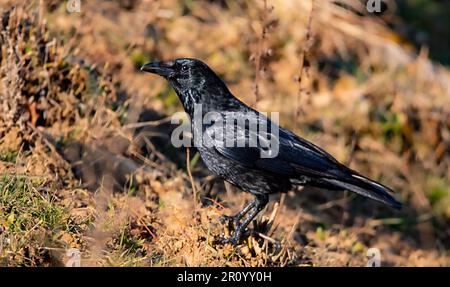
298,161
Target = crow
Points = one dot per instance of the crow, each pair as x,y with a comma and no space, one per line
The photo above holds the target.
294,162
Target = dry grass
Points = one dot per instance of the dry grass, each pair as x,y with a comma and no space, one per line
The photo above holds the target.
77,171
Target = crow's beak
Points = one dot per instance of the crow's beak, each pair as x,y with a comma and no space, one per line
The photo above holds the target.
164,69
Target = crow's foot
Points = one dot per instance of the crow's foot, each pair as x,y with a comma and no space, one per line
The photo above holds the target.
233,240
229,219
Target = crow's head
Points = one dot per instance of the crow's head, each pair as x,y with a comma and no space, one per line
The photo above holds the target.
184,73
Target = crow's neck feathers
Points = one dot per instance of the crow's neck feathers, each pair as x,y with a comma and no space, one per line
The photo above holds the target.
212,93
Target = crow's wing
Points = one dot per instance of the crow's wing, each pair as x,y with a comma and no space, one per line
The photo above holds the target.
297,157
307,158
294,156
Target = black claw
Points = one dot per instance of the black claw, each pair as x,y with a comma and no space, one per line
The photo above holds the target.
224,219
233,240
228,219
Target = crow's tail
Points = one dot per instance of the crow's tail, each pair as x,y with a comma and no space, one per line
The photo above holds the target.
366,187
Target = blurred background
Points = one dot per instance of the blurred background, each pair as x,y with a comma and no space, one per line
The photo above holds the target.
85,154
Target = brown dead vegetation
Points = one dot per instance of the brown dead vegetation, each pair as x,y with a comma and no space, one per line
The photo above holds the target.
86,135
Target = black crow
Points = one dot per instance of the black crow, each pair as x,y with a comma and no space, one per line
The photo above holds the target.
295,161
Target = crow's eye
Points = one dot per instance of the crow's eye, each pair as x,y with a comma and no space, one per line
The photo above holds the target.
184,69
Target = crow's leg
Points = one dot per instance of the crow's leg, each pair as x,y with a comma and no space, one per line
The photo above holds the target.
259,203
238,216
